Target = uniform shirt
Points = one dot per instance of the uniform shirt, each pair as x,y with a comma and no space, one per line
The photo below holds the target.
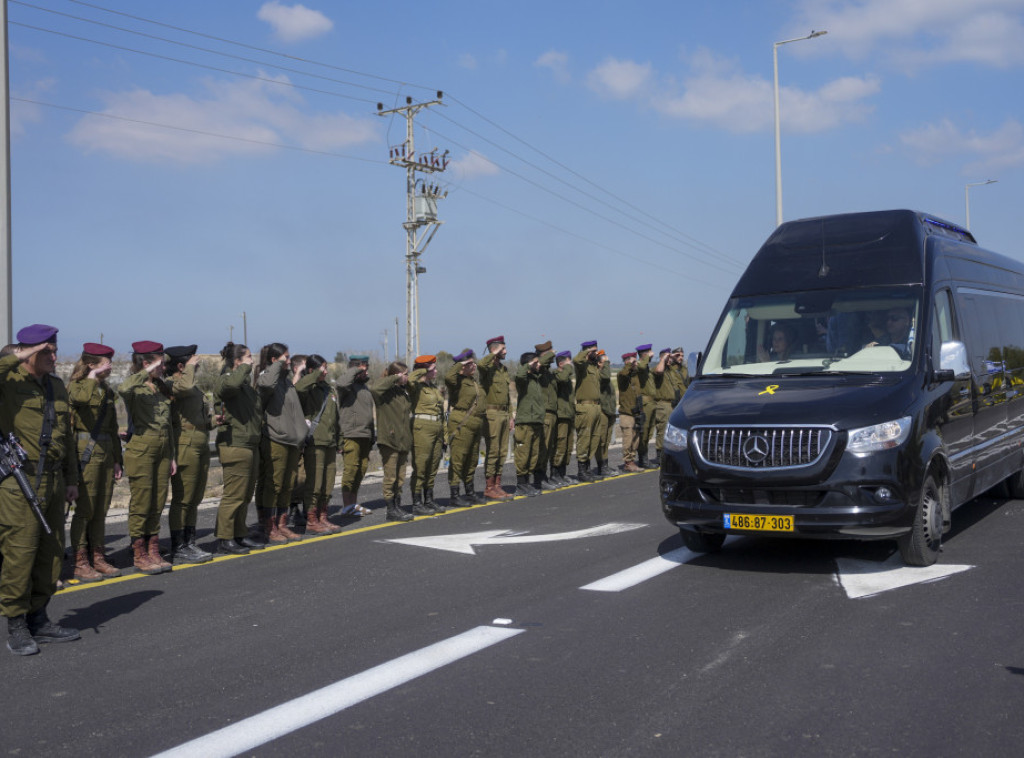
588,378
530,388
240,406
149,408
494,380
608,403
22,403
629,388
356,403
394,412
314,396
87,397
565,391
550,388
464,392
646,377
190,414
283,419
426,399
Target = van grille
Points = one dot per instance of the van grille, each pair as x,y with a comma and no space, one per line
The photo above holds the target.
762,447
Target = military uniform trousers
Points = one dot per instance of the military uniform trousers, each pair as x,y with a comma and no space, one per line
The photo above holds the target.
648,430
496,441
662,410
630,437
355,456
188,485
147,462
565,433
464,446
95,490
550,440
240,466
321,466
392,463
32,558
426,453
602,436
588,416
529,448
278,466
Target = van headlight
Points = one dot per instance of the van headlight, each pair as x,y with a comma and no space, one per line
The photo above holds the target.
870,439
675,438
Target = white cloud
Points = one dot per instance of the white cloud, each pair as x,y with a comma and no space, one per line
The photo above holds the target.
468,61
1000,149
558,63
254,110
22,113
715,91
294,23
473,164
916,33
620,80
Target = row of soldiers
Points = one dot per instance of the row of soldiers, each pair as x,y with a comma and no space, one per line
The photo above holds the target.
272,417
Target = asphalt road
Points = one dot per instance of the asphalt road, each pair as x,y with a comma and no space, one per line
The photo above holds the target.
365,646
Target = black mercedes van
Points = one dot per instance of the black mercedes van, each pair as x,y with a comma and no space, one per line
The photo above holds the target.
865,378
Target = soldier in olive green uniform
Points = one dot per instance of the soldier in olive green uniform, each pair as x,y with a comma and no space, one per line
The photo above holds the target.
320,455
665,388
357,431
565,423
190,420
680,374
495,382
149,454
34,406
546,467
94,420
238,441
529,431
588,407
630,406
467,417
427,435
394,434
606,422
644,354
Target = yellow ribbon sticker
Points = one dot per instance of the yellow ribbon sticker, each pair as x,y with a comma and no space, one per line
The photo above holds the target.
769,390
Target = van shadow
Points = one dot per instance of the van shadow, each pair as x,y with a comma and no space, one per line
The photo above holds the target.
94,616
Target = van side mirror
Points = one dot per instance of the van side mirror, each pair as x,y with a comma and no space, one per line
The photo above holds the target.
953,364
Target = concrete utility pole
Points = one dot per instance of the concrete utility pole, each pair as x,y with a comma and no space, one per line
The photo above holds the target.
6,289
421,221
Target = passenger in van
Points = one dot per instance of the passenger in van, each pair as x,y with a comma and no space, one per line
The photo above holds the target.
897,332
783,342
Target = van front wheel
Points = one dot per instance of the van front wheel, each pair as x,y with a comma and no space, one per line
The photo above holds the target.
701,542
920,547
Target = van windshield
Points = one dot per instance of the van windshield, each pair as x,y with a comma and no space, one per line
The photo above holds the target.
863,330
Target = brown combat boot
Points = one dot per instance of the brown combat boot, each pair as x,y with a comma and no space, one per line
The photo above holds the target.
140,556
631,467
314,526
283,530
99,562
270,530
84,572
154,553
494,490
325,522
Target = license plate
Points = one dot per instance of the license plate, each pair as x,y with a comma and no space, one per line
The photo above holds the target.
755,522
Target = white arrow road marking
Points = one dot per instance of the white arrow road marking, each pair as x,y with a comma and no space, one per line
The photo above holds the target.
250,733
463,543
866,578
634,575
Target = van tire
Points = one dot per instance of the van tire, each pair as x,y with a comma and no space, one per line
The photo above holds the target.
921,546
1015,486
701,542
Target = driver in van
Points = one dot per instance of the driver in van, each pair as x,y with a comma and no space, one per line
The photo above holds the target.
783,340
897,332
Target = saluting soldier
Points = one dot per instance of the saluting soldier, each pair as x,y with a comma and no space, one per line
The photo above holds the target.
665,388
529,430
565,424
588,407
357,432
394,434
238,441
495,381
606,423
546,466
630,406
467,417
190,420
149,453
34,406
644,355
427,435
94,420
320,455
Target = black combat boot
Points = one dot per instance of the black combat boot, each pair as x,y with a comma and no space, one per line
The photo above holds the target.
44,630
542,483
19,639
523,486
428,500
602,470
473,496
395,512
419,508
458,499
230,547
583,471
647,462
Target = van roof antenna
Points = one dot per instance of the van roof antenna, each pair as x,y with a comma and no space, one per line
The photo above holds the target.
823,271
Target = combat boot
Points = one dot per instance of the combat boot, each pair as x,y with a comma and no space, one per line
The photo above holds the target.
418,506
457,499
140,558
270,529
99,562
583,471
523,487
19,638
600,472
647,462
473,496
314,528
630,468
200,555
395,512
230,547
428,500
44,630
154,553
179,548
282,527
542,483
84,572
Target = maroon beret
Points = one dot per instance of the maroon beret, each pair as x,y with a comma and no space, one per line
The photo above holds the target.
628,355
100,351
147,346
495,340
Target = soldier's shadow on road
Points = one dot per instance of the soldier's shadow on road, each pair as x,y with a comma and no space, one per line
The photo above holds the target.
94,616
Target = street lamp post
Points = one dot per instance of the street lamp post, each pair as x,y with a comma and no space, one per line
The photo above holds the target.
967,198
778,141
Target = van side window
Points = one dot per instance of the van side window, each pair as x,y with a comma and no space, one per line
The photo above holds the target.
943,323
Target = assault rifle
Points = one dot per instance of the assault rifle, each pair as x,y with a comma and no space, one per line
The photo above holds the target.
12,459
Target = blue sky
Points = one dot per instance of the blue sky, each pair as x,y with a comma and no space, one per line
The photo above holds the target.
612,163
